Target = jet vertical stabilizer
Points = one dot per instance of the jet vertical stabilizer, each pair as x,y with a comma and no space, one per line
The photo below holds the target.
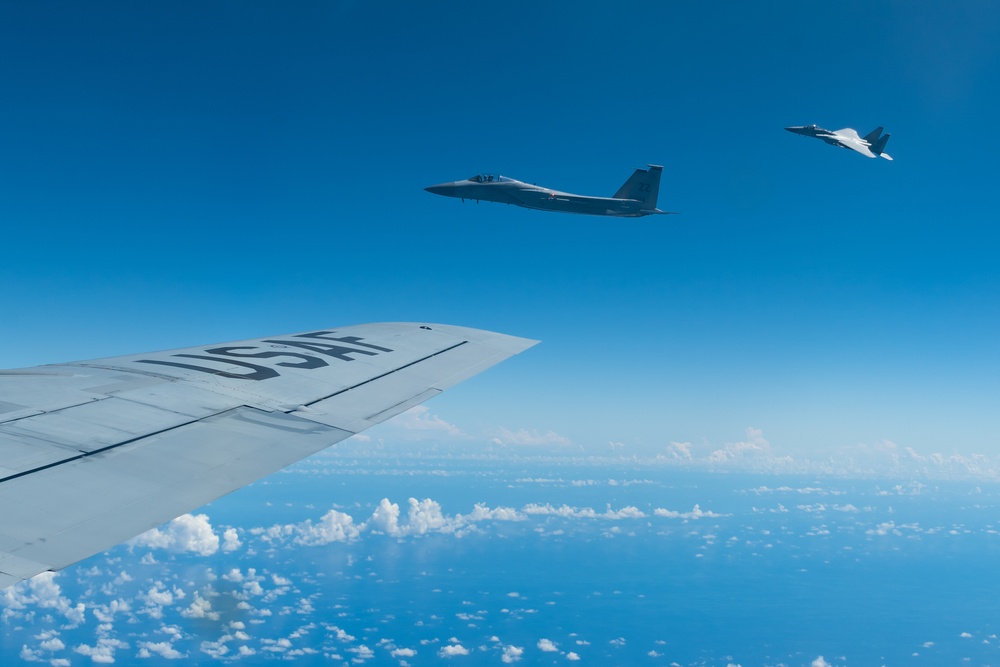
879,146
872,137
643,185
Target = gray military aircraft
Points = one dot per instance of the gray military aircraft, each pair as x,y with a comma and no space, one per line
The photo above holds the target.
95,452
636,198
870,145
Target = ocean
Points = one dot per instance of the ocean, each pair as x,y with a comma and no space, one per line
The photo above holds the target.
564,560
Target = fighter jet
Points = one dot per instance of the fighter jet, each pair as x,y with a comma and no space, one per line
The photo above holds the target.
871,145
636,198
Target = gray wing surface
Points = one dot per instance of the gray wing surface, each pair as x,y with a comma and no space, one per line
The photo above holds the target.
93,453
864,150
849,138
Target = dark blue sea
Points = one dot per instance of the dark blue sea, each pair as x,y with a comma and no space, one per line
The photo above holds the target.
566,560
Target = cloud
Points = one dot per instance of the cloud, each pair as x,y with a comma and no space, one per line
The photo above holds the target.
547,646
481,512
584,512
385,518
422,517
187,533
163,649
160,597
363,653
694,514
820,662
453,650
881,458
402,653
754,446
341,634
680,451
572,656
103,652
753,453
334,526
529,437
231,540
884,528
511,654
105,613
52,645
425,516
41,591
805,490
200,608
419,418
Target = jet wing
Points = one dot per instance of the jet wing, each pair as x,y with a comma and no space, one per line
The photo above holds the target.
849,138
555,200
848,133
95,452
861,148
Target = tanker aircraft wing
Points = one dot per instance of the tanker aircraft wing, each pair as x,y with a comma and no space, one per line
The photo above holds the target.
95,452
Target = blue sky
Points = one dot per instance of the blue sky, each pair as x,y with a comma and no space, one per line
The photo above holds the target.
180,174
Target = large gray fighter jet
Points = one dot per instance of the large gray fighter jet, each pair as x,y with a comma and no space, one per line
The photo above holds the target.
637,197
871,145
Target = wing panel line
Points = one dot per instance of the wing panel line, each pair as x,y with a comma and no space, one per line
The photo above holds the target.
387,373
84,455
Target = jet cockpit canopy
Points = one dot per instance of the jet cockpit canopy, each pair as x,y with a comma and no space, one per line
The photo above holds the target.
490,178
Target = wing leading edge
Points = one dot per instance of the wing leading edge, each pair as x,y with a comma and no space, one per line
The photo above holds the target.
93,453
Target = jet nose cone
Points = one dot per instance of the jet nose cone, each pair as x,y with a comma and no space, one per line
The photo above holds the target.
807,130
446,189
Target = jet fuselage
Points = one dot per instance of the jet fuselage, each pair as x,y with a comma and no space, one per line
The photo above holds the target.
871,145
643,187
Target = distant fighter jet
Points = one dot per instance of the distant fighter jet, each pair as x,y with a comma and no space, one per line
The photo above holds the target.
637,197
871,145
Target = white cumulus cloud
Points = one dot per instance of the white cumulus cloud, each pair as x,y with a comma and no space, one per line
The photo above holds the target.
547,646
334,526
511,654
200,608
162,649
385,518
42,591
453,650
187,533
103,652
231,540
